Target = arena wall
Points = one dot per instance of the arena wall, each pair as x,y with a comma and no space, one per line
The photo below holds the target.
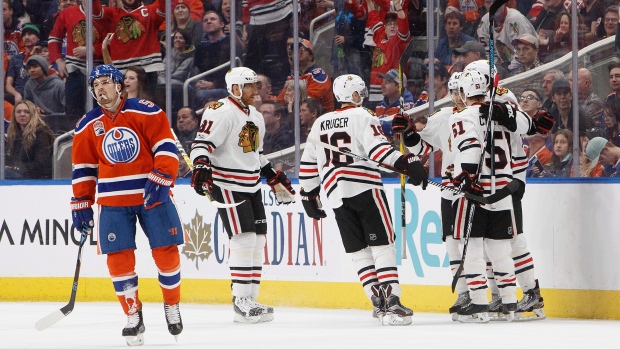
570,228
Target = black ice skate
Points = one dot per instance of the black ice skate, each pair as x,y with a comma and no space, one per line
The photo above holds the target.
173,318
134,330
474,313
246,311
508,309
267,311
495,308
461,301
531,306
378,303
396,313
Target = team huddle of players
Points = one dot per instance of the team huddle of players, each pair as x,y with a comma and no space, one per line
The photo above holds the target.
228,163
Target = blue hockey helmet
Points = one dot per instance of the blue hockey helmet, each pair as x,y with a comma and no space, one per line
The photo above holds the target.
105,70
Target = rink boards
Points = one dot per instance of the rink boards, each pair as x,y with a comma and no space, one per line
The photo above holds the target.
571,232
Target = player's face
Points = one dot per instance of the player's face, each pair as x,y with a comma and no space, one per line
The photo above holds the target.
526,53
248,93
105,90
185,120
131,82
560,146
22,115
614,79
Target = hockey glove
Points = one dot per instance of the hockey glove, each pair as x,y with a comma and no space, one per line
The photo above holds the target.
467,183
414,168
312,203
503,113
543,121
281,186
402,123
202,176
157,189
82,213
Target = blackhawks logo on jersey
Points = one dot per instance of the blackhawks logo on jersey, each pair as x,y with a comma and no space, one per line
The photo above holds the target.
128,29
370,112
249,138
499,91
78,35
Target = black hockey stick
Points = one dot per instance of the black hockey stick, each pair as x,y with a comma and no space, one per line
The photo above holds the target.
490,137
404,58
484,200
60,314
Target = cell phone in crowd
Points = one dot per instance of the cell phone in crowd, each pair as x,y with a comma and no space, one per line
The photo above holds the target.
539,165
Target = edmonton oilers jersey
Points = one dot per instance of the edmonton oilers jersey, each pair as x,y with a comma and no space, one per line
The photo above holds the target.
117,152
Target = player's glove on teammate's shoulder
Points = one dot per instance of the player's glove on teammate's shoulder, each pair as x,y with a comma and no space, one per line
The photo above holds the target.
312,203
157,189
414,168
202,176
82,213
503,113
543,122
280,184
402,124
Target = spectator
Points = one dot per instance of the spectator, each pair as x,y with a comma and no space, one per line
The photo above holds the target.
470,51
530,101
390,105
348,40
601,151
276,136
470,11
309,110
318,83
47,93
181,20
264,93
69,31
223,9
614,80
561,164
136,82
589,101
48,23
557,43
265,24
591,14
535,7
453,23
441,85
547,17
135,41
391,36
17,75
181,69
526,47
510,24
547,85
214,50
611,114
539,155
29,143
608,24
187,126
289,95
13,43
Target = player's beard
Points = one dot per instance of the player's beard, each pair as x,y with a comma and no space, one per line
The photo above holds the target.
108,102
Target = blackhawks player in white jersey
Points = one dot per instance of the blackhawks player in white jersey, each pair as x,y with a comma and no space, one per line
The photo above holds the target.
490,228
524,264
355,192
435,136
228,162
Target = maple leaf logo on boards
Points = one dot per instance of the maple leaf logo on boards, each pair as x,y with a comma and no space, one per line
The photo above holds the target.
198,238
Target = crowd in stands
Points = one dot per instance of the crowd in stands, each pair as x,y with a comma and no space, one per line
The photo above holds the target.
46,78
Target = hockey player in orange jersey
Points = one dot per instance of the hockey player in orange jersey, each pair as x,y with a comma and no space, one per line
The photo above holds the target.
124,150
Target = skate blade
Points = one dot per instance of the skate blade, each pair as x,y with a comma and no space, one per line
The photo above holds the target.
135,341
266,317
455,316
496,316
479,318
536,314
395,320
246,319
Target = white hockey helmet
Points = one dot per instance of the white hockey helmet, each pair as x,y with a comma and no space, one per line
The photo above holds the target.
482,67
473,84
453,83
345,85
240,76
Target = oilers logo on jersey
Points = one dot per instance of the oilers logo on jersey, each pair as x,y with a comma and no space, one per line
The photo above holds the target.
120,145
249,138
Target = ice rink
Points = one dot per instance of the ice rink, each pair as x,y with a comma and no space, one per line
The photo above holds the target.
98,325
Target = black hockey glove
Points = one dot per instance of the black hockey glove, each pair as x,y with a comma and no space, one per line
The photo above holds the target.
543,121
503,113
414,168
312,203
467,183
280,184
402,124
202,177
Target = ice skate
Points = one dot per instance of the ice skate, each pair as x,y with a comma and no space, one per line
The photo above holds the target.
246,311
508,310
531,306
461,301
267,312
378,303
495,308
395,313
173,318
474,313
134,330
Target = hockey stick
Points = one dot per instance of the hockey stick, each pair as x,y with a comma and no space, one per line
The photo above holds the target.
490,139
484,200
403,205
183,153
60,314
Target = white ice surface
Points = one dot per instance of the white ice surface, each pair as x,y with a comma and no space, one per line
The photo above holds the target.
98,325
